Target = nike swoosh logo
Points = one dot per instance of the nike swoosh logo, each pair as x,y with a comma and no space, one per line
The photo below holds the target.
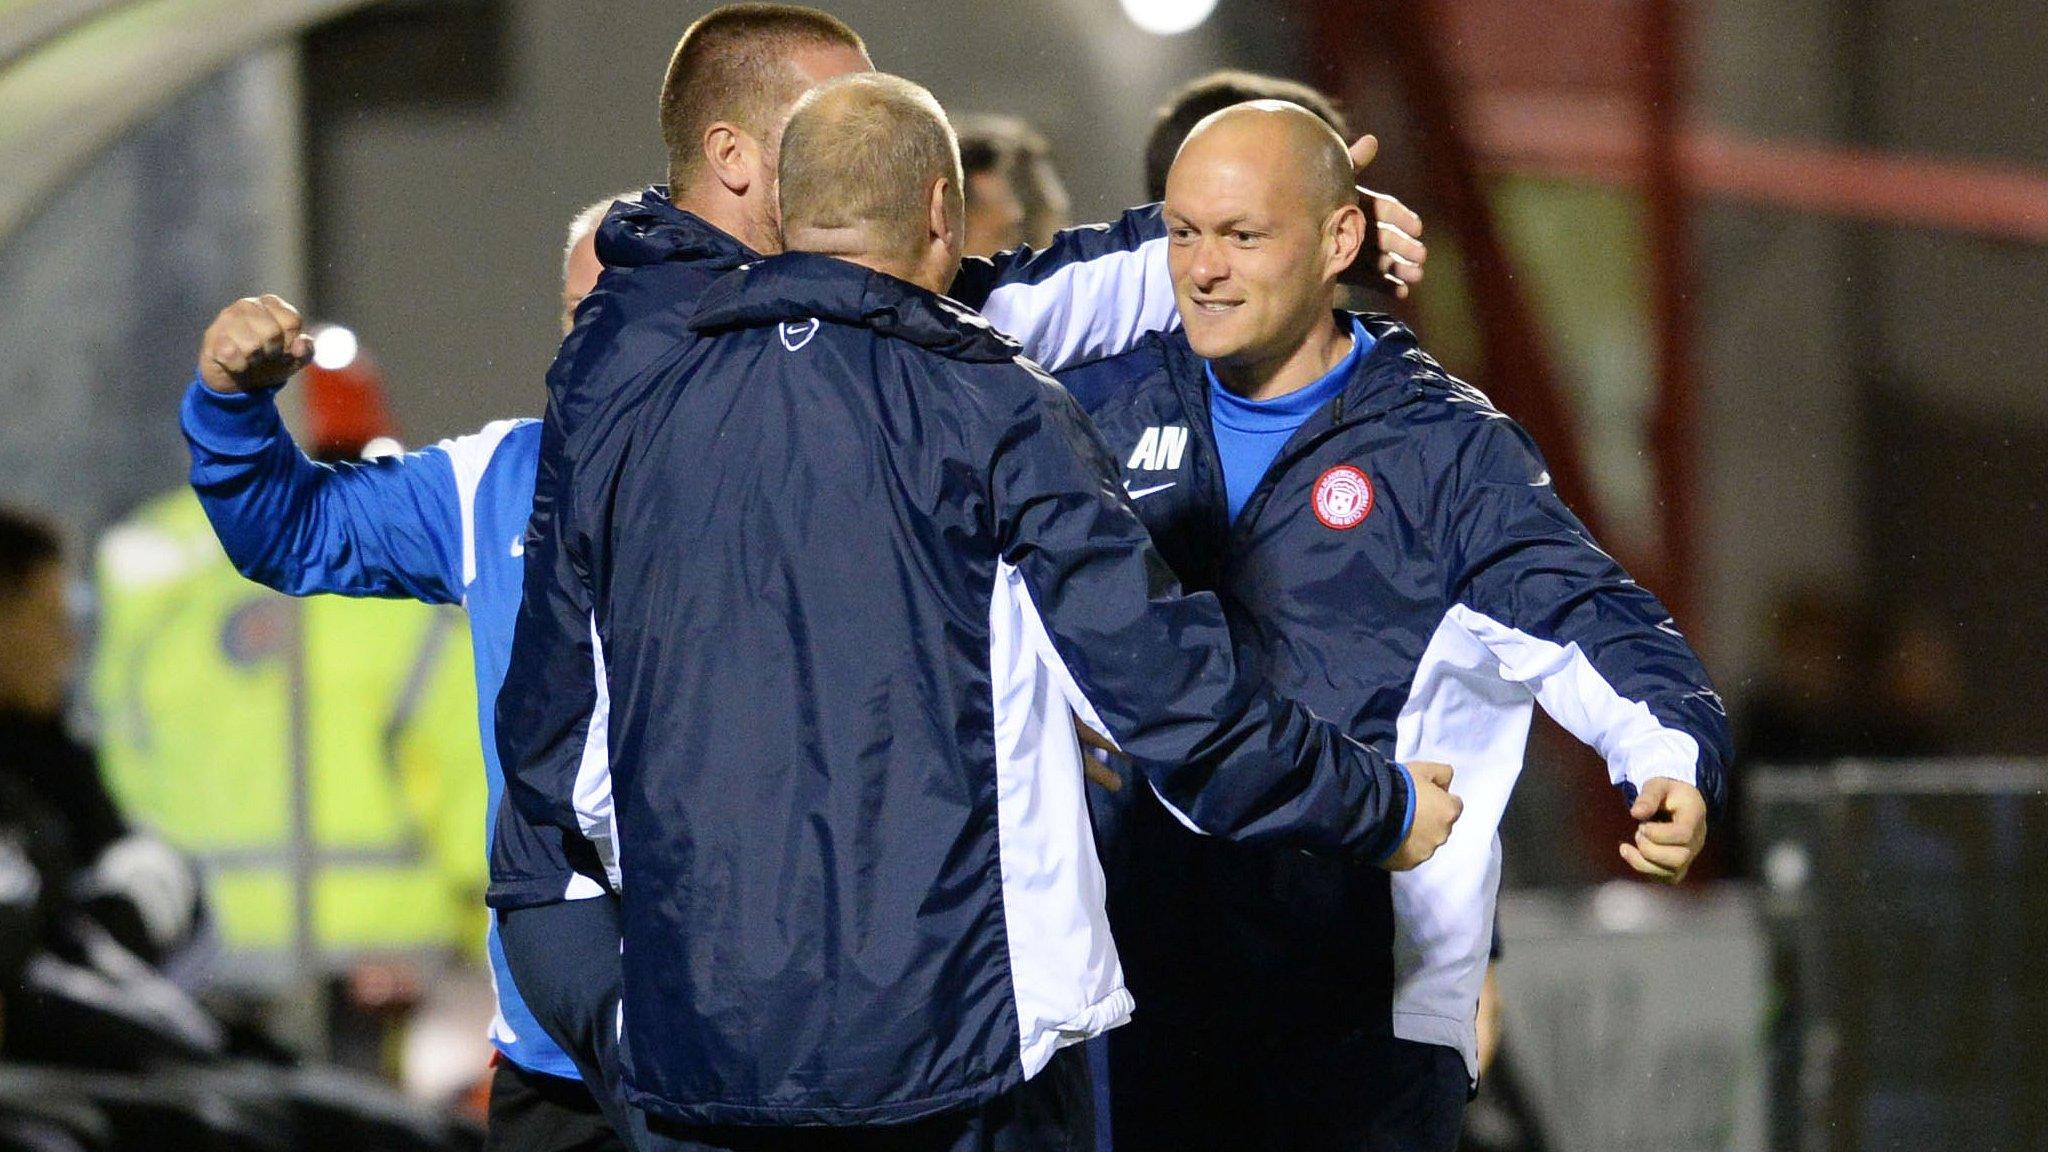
1141,493
1540,481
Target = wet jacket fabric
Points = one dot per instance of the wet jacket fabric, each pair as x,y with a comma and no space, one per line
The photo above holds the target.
1093,292
1406,569
857,567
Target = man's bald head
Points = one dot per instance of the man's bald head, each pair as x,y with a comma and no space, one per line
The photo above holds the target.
1261,220
1284,141
871,172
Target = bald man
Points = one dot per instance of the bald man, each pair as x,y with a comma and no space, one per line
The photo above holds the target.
1406,568
859,567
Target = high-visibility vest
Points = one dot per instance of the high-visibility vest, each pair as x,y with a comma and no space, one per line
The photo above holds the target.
214,694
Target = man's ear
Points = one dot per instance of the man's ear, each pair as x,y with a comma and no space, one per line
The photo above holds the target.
729,156
939,220
1344,239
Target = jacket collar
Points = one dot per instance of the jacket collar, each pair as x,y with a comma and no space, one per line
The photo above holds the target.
651,230
798,286
1384,378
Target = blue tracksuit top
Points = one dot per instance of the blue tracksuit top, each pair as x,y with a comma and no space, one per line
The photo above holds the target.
442,525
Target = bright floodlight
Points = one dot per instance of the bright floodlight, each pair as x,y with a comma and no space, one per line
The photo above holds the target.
1168,17
334,348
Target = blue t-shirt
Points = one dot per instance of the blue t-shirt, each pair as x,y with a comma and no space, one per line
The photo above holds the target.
1250,433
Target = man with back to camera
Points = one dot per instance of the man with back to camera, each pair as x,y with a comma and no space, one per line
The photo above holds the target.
1399,557
862,892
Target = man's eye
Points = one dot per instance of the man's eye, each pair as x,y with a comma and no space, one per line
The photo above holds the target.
1244,238
1180,235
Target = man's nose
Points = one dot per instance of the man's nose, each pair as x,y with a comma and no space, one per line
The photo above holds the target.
1209,265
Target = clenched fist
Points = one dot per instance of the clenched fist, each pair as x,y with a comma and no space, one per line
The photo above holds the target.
1436,810
1671,828
255,343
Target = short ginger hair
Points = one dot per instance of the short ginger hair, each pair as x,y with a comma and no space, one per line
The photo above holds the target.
733,65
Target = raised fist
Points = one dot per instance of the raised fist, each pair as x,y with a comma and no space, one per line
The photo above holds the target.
255,343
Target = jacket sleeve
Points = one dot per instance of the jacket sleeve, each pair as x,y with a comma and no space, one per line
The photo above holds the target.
1600,653
1157,670
1093,292
393,528
552,711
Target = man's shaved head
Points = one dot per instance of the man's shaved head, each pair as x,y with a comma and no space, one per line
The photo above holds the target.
1297,142
871,169
1262,218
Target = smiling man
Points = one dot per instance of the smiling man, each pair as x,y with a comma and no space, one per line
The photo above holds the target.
1394,547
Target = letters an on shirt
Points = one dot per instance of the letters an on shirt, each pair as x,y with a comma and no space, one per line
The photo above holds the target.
1159,449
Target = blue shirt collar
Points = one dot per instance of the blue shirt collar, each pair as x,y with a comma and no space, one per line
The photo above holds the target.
1286,413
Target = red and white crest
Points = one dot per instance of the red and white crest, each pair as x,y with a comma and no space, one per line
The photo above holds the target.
1342,498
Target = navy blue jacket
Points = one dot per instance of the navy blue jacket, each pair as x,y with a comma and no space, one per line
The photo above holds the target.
1405,568
1092,292
857,567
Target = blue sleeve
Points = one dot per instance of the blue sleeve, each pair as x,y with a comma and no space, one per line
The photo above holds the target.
391,528
1601,653
551,714
1158,670
1092,292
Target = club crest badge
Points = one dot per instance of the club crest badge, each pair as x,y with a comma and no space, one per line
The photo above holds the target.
1342,497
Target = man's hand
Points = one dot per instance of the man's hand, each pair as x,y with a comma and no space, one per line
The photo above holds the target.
255,343
1397,232
1095,769
1671,828
1435,811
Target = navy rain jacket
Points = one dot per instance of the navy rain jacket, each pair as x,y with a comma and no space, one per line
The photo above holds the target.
857,567
1090,293
1405,568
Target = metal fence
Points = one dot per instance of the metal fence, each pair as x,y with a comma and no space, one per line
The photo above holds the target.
1907,905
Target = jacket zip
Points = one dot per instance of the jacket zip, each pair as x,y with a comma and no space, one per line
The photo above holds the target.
1305,440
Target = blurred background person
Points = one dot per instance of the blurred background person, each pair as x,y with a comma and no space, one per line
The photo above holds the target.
1014,192
1816,702
99,1046
101,893
1196,100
